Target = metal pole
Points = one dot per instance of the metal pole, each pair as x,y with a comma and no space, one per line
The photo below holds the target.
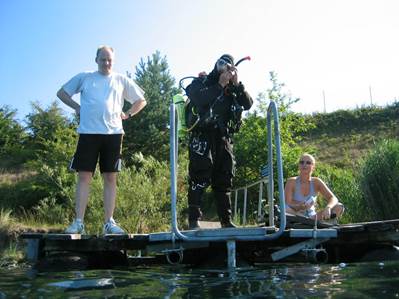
235,203
244,216
231,254
371,96
270,185
260,200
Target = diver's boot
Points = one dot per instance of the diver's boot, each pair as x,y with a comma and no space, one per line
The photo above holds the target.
194,214
226,223
224,209
193,225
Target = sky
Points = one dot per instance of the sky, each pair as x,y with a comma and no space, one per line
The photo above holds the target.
332,54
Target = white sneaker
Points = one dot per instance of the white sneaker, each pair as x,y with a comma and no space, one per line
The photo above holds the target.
112,228
77,227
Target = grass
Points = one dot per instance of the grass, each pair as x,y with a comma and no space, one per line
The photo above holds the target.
11,246
345,148
13,176
12,255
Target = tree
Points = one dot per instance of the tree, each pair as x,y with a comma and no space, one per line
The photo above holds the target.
51,144
45,126
148,131
251,141
12,137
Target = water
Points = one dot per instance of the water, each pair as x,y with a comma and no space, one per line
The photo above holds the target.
363,280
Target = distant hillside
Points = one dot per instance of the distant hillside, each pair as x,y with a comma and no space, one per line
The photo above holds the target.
344,136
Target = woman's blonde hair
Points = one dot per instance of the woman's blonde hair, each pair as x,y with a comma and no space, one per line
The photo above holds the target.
308,156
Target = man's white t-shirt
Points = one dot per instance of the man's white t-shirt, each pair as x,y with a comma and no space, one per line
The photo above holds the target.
101,100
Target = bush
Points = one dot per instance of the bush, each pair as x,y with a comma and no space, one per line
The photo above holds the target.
379,180
344,184
143,200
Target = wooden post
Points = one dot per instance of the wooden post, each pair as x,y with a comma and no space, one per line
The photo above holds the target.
33,249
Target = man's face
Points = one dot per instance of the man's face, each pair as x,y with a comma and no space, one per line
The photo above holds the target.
223,66
105,61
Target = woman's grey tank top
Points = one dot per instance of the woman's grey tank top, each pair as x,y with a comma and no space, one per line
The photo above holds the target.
298,196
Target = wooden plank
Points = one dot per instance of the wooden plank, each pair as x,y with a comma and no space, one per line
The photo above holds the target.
161,247
390,221
369,237
96,244
118,236
350,228
55,236
32,236
66,236
33,249
303,222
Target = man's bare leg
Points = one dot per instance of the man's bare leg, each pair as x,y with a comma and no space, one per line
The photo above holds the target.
109,194
82,193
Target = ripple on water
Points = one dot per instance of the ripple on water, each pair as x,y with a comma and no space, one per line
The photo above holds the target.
278,281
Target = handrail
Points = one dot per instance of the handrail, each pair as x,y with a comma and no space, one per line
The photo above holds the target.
173,169
260,182
272,110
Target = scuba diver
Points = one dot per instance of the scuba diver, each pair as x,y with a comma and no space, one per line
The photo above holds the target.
214,115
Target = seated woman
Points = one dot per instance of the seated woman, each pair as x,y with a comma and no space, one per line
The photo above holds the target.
301,193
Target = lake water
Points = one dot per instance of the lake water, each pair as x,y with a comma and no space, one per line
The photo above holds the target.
363,280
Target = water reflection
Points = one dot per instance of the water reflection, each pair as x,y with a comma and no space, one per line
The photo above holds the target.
367,280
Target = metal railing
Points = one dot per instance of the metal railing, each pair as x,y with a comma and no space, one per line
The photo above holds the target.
176,233
244,190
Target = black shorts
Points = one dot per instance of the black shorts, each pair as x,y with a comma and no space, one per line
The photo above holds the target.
91,147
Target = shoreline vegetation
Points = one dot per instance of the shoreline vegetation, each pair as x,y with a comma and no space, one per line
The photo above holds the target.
358,152
12,248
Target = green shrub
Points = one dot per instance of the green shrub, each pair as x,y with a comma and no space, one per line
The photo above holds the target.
379,180
344,184
143,199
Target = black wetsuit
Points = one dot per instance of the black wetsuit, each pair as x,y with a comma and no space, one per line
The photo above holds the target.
211,147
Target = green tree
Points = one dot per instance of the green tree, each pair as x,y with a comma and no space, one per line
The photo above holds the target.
148,131
45,126
12,137
251,148
251,141
51,144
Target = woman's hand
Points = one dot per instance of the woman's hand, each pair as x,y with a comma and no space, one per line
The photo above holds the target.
301,206
326,214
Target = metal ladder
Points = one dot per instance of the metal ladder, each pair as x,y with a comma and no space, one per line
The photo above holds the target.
231,235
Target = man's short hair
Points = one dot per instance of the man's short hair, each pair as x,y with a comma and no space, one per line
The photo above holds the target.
102,47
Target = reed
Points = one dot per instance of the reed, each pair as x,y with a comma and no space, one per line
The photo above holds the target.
379,180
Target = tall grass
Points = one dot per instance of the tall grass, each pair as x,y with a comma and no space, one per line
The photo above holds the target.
6,219
379,180
345,186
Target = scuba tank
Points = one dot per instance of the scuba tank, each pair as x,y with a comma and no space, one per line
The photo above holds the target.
189,116
180,102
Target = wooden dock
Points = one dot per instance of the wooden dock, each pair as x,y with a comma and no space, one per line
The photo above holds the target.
299,242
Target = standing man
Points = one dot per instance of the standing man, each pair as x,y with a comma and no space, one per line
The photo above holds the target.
102,95
218,100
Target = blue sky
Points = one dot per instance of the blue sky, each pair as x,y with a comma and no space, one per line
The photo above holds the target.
344,48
